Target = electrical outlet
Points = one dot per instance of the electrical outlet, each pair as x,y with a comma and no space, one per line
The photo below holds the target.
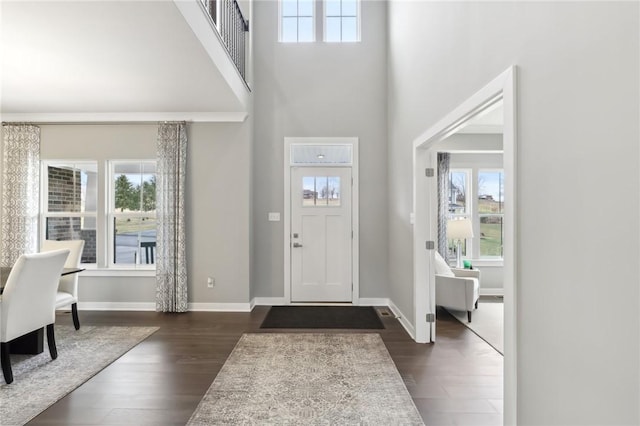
211,282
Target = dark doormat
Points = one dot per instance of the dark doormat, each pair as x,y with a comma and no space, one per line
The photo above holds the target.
360,317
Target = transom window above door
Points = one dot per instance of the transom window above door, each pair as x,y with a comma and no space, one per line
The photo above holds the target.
320,155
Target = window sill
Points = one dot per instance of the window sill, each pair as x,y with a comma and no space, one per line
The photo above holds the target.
491,263
118,272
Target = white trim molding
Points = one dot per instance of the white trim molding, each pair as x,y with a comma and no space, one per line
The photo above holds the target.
116,306
151,306
502,88
125,117
373,301
355,212
219,307
406,323
491,291
268,301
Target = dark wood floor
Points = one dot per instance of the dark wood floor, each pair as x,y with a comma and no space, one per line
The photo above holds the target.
456,381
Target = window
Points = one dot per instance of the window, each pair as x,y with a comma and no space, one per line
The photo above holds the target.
458,205
341,20
297,21
132,212
70,199
119,207
458,188
486,212
491,212
321,191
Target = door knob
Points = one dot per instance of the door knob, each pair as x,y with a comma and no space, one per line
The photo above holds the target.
297,245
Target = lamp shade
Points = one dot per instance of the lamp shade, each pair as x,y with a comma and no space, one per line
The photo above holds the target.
459,229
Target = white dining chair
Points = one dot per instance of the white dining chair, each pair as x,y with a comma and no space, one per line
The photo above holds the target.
28,302
68,287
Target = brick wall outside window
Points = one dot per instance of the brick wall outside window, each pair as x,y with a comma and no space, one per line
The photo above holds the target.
64,196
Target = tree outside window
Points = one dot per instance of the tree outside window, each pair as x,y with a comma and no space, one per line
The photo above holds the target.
491,212
133,214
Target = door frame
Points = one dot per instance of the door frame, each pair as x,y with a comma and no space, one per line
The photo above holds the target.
355,254
503,87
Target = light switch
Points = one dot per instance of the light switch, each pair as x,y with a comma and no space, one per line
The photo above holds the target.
274,217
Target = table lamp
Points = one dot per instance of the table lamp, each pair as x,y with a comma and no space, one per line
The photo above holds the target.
459,230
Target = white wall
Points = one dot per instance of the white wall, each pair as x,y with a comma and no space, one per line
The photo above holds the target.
319,89
578,248
217,205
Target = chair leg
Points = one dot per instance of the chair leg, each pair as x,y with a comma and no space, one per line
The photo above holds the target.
477,303
6,362
51,339
74,313
469,315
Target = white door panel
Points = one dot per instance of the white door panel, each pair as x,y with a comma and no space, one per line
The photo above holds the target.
321,258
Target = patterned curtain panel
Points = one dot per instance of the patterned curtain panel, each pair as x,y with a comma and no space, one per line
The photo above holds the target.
171,263
20,191
443,201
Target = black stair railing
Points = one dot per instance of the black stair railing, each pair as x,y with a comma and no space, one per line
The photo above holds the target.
227,18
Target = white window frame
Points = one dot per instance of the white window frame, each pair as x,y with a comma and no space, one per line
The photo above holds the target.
297,16
468,206
476,221
112,214
341,16
44,202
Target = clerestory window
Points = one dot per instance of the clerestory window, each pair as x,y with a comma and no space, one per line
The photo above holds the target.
297,21
341,20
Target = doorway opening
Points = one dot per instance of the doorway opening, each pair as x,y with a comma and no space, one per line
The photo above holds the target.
321,220
502,88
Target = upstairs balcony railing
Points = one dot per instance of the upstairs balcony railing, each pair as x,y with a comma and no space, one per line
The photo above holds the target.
232,27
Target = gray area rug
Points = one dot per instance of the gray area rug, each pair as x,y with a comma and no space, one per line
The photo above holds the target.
40,381
310,379
487,322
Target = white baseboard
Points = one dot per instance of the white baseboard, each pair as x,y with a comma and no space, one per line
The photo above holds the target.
491,291
267,301
220,307
116,306
403,319
373,301
275,301
146,306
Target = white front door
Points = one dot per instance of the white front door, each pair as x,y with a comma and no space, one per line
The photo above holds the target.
321,234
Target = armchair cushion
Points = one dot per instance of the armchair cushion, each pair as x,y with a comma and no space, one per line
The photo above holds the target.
441,266
460,291
457,293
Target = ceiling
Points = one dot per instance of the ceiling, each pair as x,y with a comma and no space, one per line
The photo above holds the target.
488,121
106,60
